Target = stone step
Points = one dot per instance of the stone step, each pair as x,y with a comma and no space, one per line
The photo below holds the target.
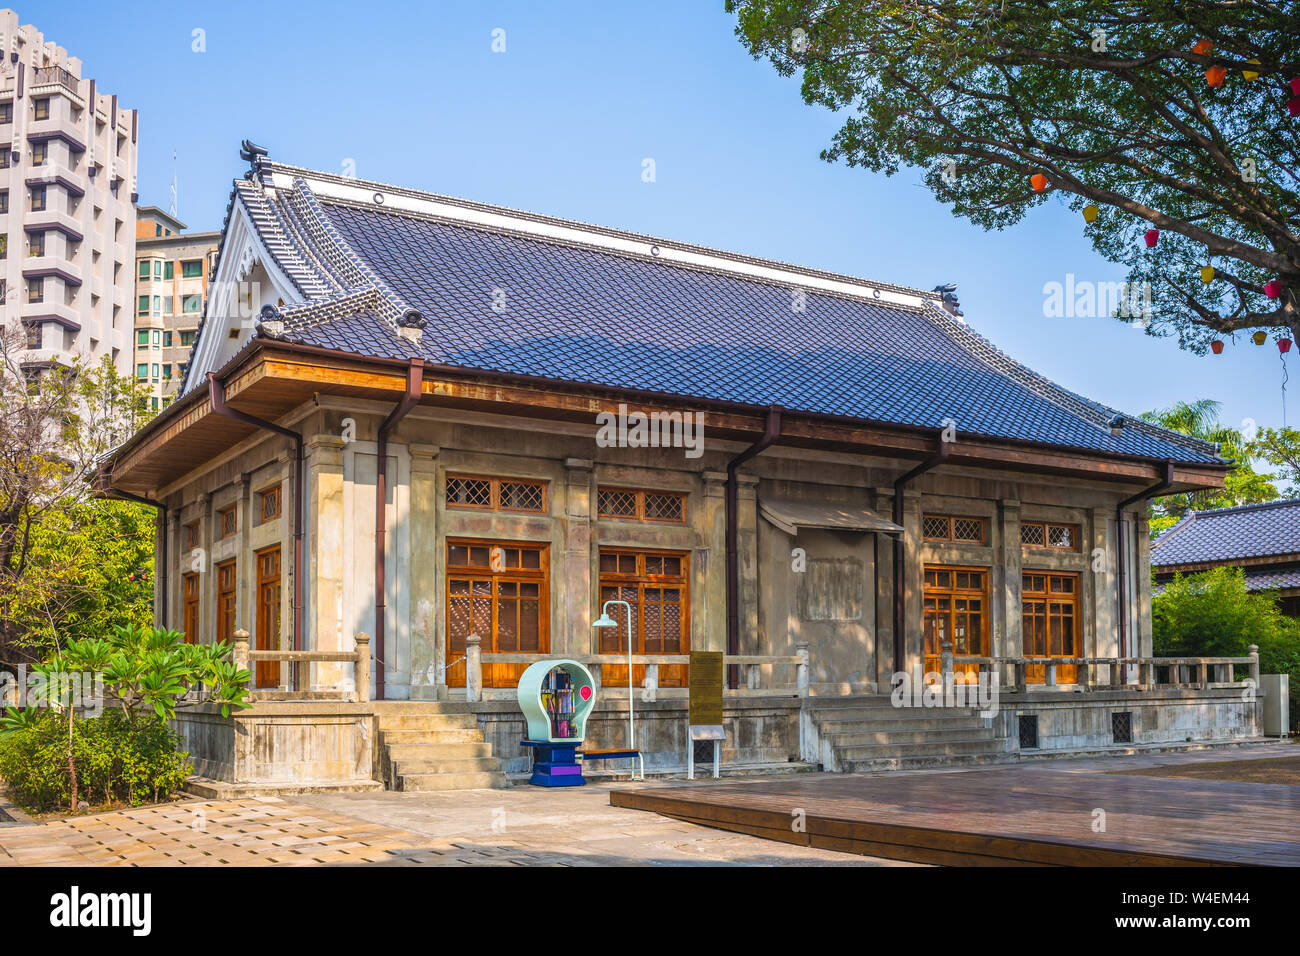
907,738
412,766
427,721
901,721
922,763
393,738
453,781
398,707
935,746
417,749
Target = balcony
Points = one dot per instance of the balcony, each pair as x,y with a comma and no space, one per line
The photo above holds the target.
68,316
56,78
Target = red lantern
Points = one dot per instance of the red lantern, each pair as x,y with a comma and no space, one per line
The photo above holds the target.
1295,86
1203,47
1284,345
1215,74
1151,236
1216,347
1293,106
1273,288
1039,182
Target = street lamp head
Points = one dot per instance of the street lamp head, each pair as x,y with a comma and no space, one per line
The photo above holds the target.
605,621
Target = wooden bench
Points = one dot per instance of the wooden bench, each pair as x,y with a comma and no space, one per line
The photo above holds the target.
619,754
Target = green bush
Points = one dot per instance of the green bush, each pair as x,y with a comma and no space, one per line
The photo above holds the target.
115,761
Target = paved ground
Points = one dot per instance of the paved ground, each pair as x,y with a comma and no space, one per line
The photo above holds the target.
520,826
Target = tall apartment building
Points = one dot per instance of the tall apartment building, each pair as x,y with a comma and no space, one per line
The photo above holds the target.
171,288
67,203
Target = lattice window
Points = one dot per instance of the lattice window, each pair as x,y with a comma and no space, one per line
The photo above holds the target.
496,494
228,521
191,536
668,506
1043,534
271,504
950,528
1121,726
1029,732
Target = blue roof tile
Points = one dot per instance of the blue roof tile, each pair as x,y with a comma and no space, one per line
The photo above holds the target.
1230,534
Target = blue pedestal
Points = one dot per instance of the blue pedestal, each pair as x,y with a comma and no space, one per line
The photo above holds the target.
555,764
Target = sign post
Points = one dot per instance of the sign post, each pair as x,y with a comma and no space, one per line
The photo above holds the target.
705,719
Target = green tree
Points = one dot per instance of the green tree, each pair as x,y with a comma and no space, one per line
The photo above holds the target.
1110,102
1242,485
1280,447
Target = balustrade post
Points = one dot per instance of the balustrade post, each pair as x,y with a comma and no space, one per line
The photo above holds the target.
945,664
1115,671
1254,664
1202,675
473,668
753,676
361,670
239,651
650,682
801,669
1084,678
1147,673
1049,673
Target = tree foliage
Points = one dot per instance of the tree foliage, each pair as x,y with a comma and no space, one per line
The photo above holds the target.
1279,447
68,564
1242,485
1109,101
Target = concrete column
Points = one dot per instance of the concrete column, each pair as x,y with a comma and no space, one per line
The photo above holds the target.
1142,635
1102,543
323,555
575,591
361,676
473,668
913,648
428,644
176,564
208,569
747,541
1007,640
709,571
884,630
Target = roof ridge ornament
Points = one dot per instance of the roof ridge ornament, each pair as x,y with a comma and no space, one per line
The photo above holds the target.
411,325
256,157
270,321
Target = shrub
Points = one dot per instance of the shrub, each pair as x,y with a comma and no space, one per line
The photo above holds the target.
115,761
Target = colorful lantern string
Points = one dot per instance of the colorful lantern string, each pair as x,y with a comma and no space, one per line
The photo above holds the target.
1207,274
1203,47
1251,74
1273,288
1151,236
1284,345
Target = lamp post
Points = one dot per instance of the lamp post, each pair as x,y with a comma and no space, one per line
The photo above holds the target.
607,621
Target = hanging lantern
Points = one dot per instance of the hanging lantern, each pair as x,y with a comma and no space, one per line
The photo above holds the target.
1203,47
1215,74
1039,182
1284,345
1295,86
1260,338
1273,288
1216,347
1207,274
1251,74
1090,214
1151,236
1293,106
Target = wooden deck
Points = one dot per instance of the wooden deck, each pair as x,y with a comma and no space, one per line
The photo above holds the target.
1003,817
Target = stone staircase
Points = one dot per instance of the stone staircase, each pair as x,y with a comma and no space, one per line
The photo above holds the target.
865,733
429,746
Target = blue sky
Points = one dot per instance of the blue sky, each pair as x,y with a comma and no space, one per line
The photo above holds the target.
561,122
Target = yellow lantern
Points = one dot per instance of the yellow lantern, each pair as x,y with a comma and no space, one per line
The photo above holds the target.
1090,214
1251,74
1207,274
1260,338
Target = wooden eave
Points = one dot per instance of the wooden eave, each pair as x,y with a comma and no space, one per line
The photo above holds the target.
1265,560
272,378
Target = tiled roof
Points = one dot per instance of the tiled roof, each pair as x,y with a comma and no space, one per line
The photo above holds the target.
1258,579
1230,534
516,302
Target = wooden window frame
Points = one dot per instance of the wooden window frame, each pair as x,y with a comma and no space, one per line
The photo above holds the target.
192,536
191,597
497,675
494,503
227,620
670,675
274,494
1065,673
639,495
952,522
233,513
954,593
267,673
1076,532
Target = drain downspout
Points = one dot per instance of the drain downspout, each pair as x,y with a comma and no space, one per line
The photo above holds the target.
217,395
1120,561
414,385
771,433
900,556
160,565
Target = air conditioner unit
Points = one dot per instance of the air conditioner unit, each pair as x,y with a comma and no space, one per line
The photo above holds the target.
1277,704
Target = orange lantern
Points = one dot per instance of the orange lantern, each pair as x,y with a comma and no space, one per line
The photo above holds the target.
1260,338
1216,347
1215,74
1207,274
1039,182
1203,47
1090,214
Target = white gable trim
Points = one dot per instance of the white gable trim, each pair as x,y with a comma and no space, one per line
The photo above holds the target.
626,244
241,251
